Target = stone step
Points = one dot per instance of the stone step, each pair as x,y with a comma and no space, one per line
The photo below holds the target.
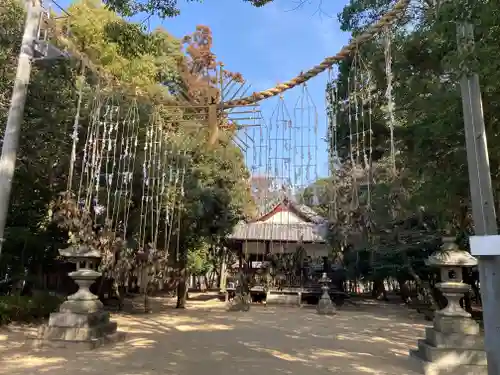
452,355
76,333
277,298
65,319
453,340
451,367
108,339
453,324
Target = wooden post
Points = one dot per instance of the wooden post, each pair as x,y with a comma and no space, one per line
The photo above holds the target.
223,272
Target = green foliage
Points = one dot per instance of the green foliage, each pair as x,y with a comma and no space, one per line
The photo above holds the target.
125,50
426,67
199,260
215,195
432,178
318,195
27,309
42,159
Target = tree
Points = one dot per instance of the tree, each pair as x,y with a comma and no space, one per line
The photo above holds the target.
139,70
318,195
125,50
215,199
429,132
41,167
129,54
432,174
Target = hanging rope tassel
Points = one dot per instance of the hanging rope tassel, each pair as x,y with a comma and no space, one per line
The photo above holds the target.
389,96
76,125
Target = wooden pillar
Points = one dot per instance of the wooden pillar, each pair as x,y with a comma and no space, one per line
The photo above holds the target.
223,272
240,257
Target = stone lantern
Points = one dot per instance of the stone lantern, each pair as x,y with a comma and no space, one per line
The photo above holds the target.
83,256
325,305
451,259
81,319
86,260
454,344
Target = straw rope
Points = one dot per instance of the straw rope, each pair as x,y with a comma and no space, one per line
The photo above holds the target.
387,19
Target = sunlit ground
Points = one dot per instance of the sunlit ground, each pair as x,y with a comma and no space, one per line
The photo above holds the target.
205,339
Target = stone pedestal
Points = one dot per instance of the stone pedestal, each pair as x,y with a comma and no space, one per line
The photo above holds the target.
454,345
242,299
81,319
325,304
240,302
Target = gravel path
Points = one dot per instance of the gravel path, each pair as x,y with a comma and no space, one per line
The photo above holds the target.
205,339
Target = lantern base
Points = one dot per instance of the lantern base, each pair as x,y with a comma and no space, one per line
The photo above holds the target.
325,305
68,329
446,366
240,302
454,345
81,319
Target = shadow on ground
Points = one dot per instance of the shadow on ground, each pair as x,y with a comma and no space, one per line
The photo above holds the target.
205,339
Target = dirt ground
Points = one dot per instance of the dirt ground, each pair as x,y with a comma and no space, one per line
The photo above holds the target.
373,338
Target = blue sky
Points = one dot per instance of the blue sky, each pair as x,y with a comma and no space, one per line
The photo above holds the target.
270,45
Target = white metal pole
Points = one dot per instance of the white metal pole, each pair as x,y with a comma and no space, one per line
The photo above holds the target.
483,204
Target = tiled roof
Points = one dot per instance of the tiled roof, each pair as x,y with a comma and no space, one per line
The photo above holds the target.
305,211
258,231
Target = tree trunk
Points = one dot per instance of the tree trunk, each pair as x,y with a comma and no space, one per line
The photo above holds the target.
425,289
182,287
213,278
404,291
379,289
222,272
200,283
206,282
146,300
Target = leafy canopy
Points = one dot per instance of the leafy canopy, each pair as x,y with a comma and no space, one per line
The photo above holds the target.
432,181
215,192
